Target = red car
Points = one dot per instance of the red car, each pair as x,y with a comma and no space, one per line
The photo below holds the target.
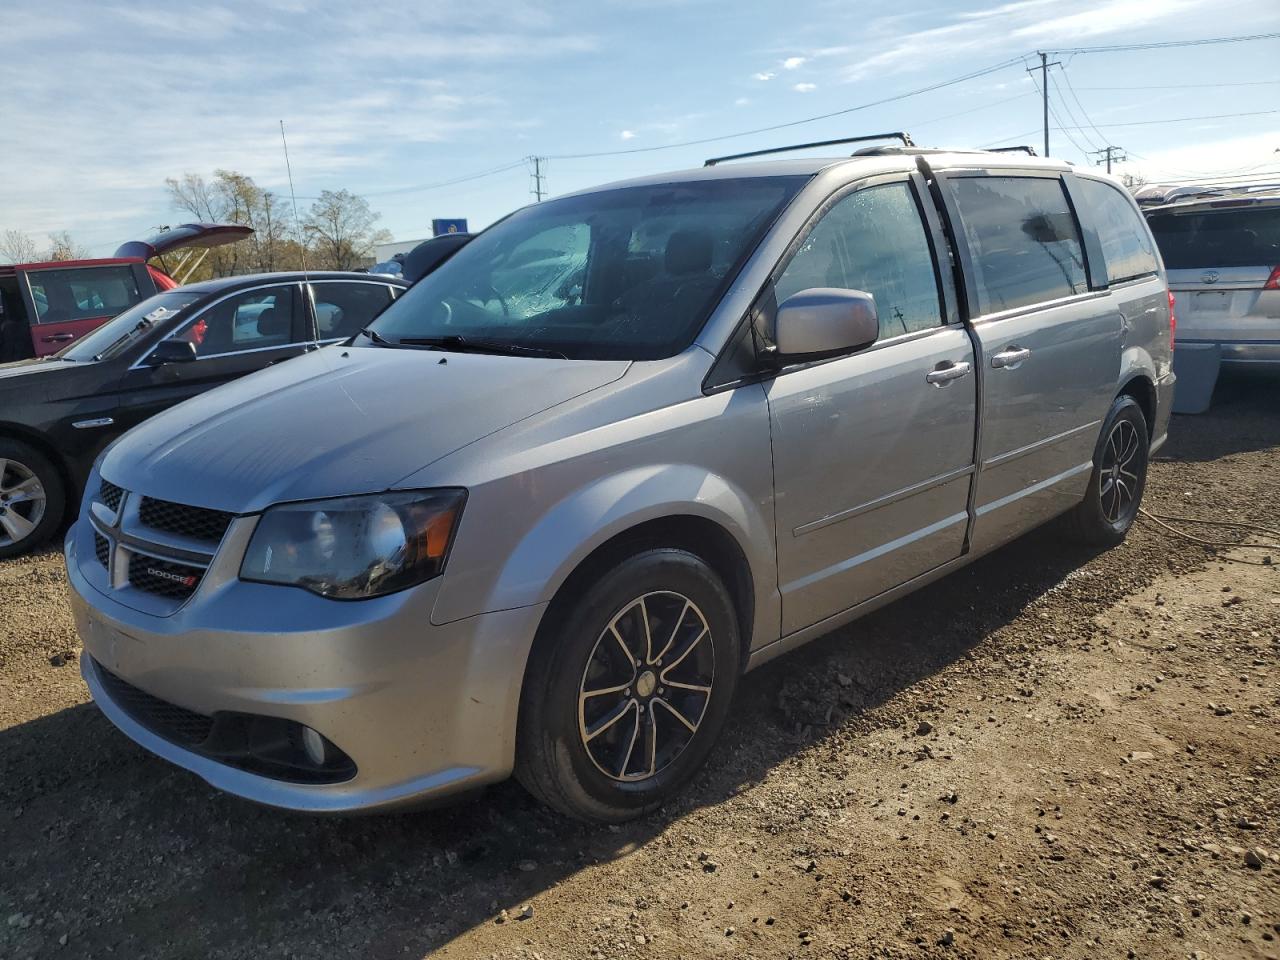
45,306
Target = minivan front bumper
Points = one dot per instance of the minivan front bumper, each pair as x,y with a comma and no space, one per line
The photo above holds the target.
422,710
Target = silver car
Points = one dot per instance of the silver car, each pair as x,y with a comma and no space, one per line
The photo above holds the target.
1223,255
541,520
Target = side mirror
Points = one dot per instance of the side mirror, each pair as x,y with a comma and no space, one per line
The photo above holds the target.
172,351
825,322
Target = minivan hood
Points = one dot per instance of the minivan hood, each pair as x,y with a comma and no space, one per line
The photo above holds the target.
339,421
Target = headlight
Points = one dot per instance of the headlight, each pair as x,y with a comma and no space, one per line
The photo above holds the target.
355,547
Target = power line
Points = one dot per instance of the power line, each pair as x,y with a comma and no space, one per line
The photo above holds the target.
1071,115
795,123
1163,45
439,184
1076,97
1189,86
1144,123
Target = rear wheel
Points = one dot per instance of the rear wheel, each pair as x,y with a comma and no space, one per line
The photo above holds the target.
628,689
32,498
1119,477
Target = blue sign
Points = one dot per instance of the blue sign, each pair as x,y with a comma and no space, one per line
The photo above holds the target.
441,227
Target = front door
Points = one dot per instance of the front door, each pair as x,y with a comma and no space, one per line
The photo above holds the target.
1049,347
243,332
873,452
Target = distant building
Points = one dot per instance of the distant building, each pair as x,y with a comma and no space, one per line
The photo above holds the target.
385,251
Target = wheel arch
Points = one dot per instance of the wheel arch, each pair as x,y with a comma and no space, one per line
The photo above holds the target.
699,535
42,444
1143,390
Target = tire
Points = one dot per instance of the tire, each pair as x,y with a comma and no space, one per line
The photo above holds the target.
591,758
1118,479
33,498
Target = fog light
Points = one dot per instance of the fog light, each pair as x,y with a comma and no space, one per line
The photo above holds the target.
313,744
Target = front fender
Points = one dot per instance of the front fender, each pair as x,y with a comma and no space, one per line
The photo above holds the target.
597,513
542,559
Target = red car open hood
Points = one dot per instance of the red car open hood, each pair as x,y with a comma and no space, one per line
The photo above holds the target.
184,236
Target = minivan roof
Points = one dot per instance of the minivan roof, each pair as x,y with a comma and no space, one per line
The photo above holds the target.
810,166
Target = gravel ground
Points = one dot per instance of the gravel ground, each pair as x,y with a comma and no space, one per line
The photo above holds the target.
1050,754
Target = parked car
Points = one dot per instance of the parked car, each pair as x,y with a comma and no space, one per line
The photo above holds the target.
58,413
545,530
45,306
1223,257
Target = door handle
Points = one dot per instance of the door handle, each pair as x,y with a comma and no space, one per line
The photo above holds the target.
58,338
945,372
1010,357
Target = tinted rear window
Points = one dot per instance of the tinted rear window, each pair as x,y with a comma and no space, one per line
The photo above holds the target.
1221,238
78,293
1023,237
1126,245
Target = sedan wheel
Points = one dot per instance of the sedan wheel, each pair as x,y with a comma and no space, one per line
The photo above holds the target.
22,502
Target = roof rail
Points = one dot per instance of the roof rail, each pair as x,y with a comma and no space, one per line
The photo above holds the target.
1021,148
905,138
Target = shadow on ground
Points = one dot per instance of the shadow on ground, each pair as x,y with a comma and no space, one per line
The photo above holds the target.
145,859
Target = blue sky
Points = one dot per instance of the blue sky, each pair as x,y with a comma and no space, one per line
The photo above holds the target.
104,100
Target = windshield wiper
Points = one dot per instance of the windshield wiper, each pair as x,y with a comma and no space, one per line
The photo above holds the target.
376,337
461,344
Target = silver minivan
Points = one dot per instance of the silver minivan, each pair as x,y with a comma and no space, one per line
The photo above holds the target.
1223,256
623,446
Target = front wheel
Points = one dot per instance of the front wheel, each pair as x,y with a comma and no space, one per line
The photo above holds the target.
1119,476
628,689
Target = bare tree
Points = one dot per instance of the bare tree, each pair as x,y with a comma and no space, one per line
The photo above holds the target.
232,197
18,247
63,247
341,231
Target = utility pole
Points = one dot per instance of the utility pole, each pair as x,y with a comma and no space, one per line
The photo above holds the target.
538,176
1044,90
1107,155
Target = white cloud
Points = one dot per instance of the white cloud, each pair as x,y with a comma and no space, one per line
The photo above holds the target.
763,76
1103,18
627,135
805,87
351,99
1250,155
742,102
793,63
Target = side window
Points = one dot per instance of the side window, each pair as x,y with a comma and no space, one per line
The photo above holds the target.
344,309
1126,244
83,292
251,320
1025,245
872,240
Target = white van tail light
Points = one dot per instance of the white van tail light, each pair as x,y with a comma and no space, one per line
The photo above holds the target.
1273,281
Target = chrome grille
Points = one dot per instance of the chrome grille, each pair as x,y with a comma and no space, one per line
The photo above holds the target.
110,495
198,523
163,577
